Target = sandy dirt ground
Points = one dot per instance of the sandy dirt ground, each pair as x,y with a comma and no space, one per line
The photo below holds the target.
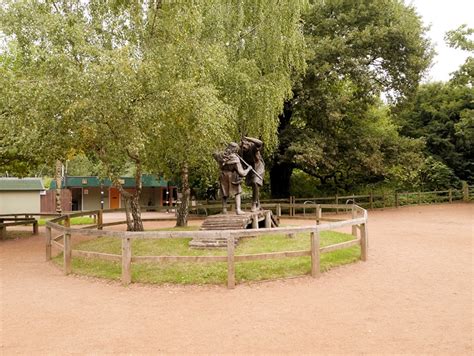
413,295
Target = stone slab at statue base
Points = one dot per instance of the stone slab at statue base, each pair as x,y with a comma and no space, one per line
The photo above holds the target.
232,221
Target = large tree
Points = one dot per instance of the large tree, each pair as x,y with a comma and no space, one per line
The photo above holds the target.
356,51
442,114
227,67
156,83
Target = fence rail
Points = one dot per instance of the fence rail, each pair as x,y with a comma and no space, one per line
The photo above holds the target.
62,226
299,207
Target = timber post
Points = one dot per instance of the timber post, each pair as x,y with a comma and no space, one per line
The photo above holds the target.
67,253
353,215
337,202
126,261
254,221
450,195
48,243
371,200
230,262
3,230
268,219
35,227
396,200
318,214
363,242
278,210
315,254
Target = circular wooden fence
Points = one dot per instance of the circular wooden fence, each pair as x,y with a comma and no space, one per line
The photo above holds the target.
59,229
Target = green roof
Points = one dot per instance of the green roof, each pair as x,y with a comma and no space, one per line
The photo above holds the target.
127,182
13,184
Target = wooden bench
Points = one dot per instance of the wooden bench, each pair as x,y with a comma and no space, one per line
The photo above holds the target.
12,221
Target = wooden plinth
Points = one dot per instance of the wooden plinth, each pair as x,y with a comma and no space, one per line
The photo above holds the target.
232,221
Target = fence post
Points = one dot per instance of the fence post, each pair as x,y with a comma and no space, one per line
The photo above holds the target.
278,210
48,243
100,219
353,215
450,194
318,214
3,230
126,261
255,221
230,262
67,253
363,242
268,219
383,200
315,255
67,247
35,227
465,191
419,198
396,200
371,200
337,202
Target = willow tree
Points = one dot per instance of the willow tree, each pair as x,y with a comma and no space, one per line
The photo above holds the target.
157,83
75,66
223,70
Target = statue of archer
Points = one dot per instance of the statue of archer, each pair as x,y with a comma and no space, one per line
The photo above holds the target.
250,149
231,175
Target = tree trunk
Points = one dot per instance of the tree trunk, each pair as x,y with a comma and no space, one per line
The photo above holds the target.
281,170
136,213
58,178
128,209
135,202
183,208
280,175
132,202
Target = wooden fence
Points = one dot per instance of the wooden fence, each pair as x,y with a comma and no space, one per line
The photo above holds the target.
60,229
306,206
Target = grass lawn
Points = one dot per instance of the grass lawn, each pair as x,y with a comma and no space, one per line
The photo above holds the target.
213,272
80,220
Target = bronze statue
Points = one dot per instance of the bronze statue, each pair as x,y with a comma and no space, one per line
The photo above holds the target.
231,175
250,150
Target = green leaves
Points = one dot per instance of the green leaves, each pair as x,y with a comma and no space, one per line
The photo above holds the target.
442,114
156,83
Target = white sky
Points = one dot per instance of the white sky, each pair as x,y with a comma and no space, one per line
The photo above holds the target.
443,16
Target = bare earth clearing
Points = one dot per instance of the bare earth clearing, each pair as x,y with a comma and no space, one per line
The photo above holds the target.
413,295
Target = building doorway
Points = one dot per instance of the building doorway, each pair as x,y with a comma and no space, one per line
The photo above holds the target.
76,199
114,198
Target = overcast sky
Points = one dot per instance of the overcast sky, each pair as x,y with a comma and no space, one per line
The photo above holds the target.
443,16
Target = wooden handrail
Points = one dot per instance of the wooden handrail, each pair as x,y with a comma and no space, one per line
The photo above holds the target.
231,235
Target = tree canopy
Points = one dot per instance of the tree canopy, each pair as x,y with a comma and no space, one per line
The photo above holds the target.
335,128
160,84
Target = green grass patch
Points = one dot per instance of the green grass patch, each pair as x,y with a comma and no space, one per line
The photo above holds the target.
212,272
80,220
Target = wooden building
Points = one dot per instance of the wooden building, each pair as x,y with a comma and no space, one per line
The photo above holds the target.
20,195
88,193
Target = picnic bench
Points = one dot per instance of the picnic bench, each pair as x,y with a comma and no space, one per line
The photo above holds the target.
14,220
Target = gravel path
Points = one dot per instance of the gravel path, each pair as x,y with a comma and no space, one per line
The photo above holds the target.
413,295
